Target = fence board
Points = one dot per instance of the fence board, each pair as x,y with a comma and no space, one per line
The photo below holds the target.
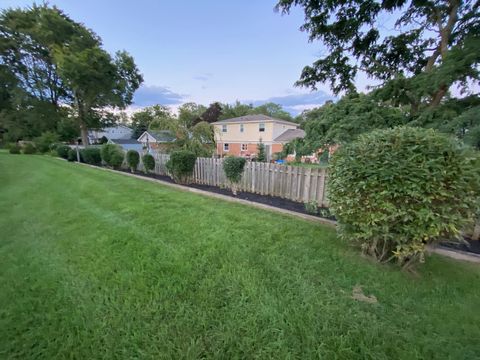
290,182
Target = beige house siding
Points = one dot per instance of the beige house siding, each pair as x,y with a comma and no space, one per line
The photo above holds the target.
250,132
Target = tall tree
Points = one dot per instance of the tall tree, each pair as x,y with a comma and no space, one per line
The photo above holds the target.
435,46
60,61
155,117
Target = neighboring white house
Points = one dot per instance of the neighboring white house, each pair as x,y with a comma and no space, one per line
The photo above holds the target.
156,140
113,132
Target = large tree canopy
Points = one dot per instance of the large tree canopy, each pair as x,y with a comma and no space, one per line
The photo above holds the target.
58,61
435,44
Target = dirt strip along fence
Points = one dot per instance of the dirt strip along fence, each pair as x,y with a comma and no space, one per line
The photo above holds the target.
297,183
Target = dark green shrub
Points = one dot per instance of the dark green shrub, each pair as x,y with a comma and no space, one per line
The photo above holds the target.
148,162
72,155
233,167
112,155
29,148
133,158
261,155
62,151
181,165
311,207
394,191
14,149
116,160
91,155
45,141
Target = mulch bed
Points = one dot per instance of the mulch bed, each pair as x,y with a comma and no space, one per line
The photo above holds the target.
471,246
275,201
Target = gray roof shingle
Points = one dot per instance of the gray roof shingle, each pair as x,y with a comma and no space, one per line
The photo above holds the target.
290,135
163,135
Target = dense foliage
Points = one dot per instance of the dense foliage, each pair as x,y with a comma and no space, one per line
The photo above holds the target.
261,155
181,165
435,46
133,159
14,149
112,155
47,60
148,162
62,151
45,141
72,155
91,155
233,167
29,148
394,191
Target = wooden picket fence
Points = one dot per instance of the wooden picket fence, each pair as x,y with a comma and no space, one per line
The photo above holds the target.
301,184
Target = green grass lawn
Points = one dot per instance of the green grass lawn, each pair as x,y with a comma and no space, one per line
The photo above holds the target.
99,265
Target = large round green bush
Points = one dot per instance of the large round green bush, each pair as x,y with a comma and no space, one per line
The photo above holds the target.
62,151
133,158
14,148
233,167
148,162
394,191
91,155
45,141
29,148
72,155
112,155
181,165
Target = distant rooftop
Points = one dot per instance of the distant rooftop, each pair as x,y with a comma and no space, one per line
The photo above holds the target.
162,135
253,118
290,134
124,141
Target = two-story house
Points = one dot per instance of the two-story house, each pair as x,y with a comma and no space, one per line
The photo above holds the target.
240,136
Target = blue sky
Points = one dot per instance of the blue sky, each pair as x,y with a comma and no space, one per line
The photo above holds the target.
205,51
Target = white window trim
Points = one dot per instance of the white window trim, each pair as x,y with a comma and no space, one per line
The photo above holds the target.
241,128
224,128
260,127
242,147
227,148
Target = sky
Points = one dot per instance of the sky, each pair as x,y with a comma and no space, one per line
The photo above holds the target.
205,51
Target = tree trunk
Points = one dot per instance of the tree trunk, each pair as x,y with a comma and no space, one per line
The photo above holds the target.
438,96
84,133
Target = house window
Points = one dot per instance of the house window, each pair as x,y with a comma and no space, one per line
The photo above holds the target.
224,128
225,147
241,127
261,127
244,147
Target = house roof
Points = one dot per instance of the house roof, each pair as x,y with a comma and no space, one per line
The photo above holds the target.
254,118
290,135
160,136
124,141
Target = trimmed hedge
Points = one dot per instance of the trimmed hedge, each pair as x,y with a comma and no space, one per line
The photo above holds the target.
133,159
148,162
14,149
29,148
62,151
395,191
72,155
181,165
112,155
233,167
91,155
45,141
